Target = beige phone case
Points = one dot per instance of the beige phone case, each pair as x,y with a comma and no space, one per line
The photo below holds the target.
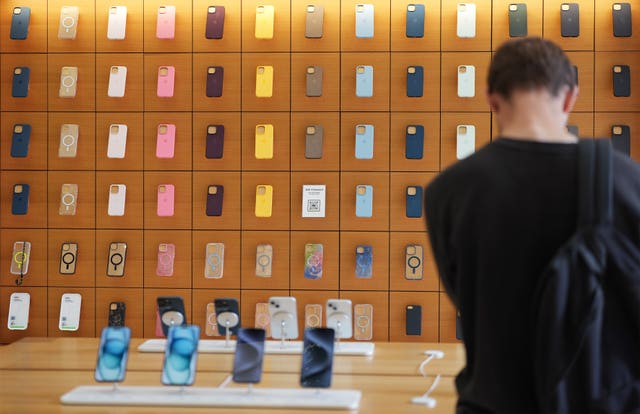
214,261
363,322
68,199
263,321
313,315
413,262
211,325
264,256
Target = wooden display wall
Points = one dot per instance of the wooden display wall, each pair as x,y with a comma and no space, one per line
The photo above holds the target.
594,52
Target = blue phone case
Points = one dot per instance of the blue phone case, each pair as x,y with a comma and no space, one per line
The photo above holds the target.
415,20
20,200
364,81
247,361
112,354
364,21
414,147
415,81
20,23
20,140
364,261
317,357
364,142
20,86
414,202
364,201
181,354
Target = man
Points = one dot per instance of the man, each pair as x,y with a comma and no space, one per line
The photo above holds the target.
497,218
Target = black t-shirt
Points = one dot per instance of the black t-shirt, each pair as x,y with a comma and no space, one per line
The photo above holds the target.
495,220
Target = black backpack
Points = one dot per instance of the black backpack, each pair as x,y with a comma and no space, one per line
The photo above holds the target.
586,312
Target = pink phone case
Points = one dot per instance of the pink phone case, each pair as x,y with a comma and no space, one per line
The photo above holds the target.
166,141
166,76
166,25
165,200
166,255
159,332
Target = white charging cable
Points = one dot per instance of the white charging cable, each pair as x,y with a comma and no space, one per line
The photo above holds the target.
226,381
426,399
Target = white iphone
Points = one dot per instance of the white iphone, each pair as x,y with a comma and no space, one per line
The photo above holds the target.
69,134
466,20
18,319
117,81
465,141
466,81
70,312
284,317
339,317
117,23
117,144
117,197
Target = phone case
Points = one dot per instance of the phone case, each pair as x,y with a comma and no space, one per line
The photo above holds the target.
314,81
264,258
621,81
215,197
264,81
117,81
117,23
317,358
262,319
313,142
70,305
314,22
181,354
215,80
228,315
68,258
283,317
166,255
68,82
215,141
117,313
339,317
116,259
113,353
570,20
364,261
18,315
20,140
364,81
264,196
576,72
364,142
165,200
247,360
465,141
20,259
413,320
362,322
117,144
214,261
415,81
265,15
166,23
68,200
621,19
466,81
414,256
414,202
364,21
20,23
415,20
313,260
414,146
117,200
20,199
621,138
215,22
518,20
459,326
171,311
211,325
68,27
466,23
364,201
69,134
313,315
20,85
166,141
264,142
166,78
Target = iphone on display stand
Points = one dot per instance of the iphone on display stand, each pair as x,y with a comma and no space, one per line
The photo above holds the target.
20,23
214,261
20,139
113,353
317,358
70,305
171,311
68,27
466,23
117,144
117,81
215,22
117,199
283,317
117,23
69,134
166,22
18,316
247,361
228,316
465,141
314,21
181,354
339,317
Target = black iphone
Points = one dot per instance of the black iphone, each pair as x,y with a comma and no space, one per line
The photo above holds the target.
317,358
228,315
247,362
171,309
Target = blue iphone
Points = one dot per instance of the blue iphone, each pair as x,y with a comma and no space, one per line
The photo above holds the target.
364,142
364,81
112,354
20,140
415,20
247,361
414,147
181,354
20,86
20,23
317,357
415,81
20,201
364,261
414,202
364,201
364,21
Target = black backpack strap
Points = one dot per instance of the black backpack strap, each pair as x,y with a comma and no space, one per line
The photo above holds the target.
595,183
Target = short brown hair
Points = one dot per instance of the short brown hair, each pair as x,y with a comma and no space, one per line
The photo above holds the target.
527,64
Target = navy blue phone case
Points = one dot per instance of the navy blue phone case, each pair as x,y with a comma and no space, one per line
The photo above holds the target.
317,357
414,147
414,203
622,141
415,20
20,141
413,320
622,81
415,82
20,86
20,201
247,362
20,23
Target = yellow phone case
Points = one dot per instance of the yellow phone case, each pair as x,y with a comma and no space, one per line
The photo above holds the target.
264,195
264,142
264,81
264,21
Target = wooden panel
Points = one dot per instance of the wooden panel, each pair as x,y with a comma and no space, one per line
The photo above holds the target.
85,99
183,25
181,218
36,40
330,260
605,100
230,217
398,214
85,40
181,99
551,26
230,41
381,37
36,99
133,155
280,99
380,99
181,239
431,151
605,121
380,314
181,160
379,243
430,101
85,199
133,313
133,94
449,123
37,272
397,262
330,40
330,122
584,62
151,307
380,218
332,205
232,132
231,267
85,258
281,141
36,216
398,301
450,99
447,319
604,39
37,312
349,122
133,34
281,27
36,156
500,26
132,217
279,241
330,99
399,39
230,99
85,158
87,326
279,219
482,39
133,268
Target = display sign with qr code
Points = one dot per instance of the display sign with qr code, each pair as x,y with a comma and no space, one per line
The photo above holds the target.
313,200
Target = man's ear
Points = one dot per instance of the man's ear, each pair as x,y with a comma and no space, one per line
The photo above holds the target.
570,97
493,101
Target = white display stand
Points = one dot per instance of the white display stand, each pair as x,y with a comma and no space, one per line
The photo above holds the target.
326,399
220,346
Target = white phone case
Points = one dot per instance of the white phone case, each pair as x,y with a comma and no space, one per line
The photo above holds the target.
18,319
117,197
466,81
117,81
465,141
117,23
117,141
284,317
466,26
339,317
70,305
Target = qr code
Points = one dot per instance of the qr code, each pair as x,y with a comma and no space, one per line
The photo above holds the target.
313,206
